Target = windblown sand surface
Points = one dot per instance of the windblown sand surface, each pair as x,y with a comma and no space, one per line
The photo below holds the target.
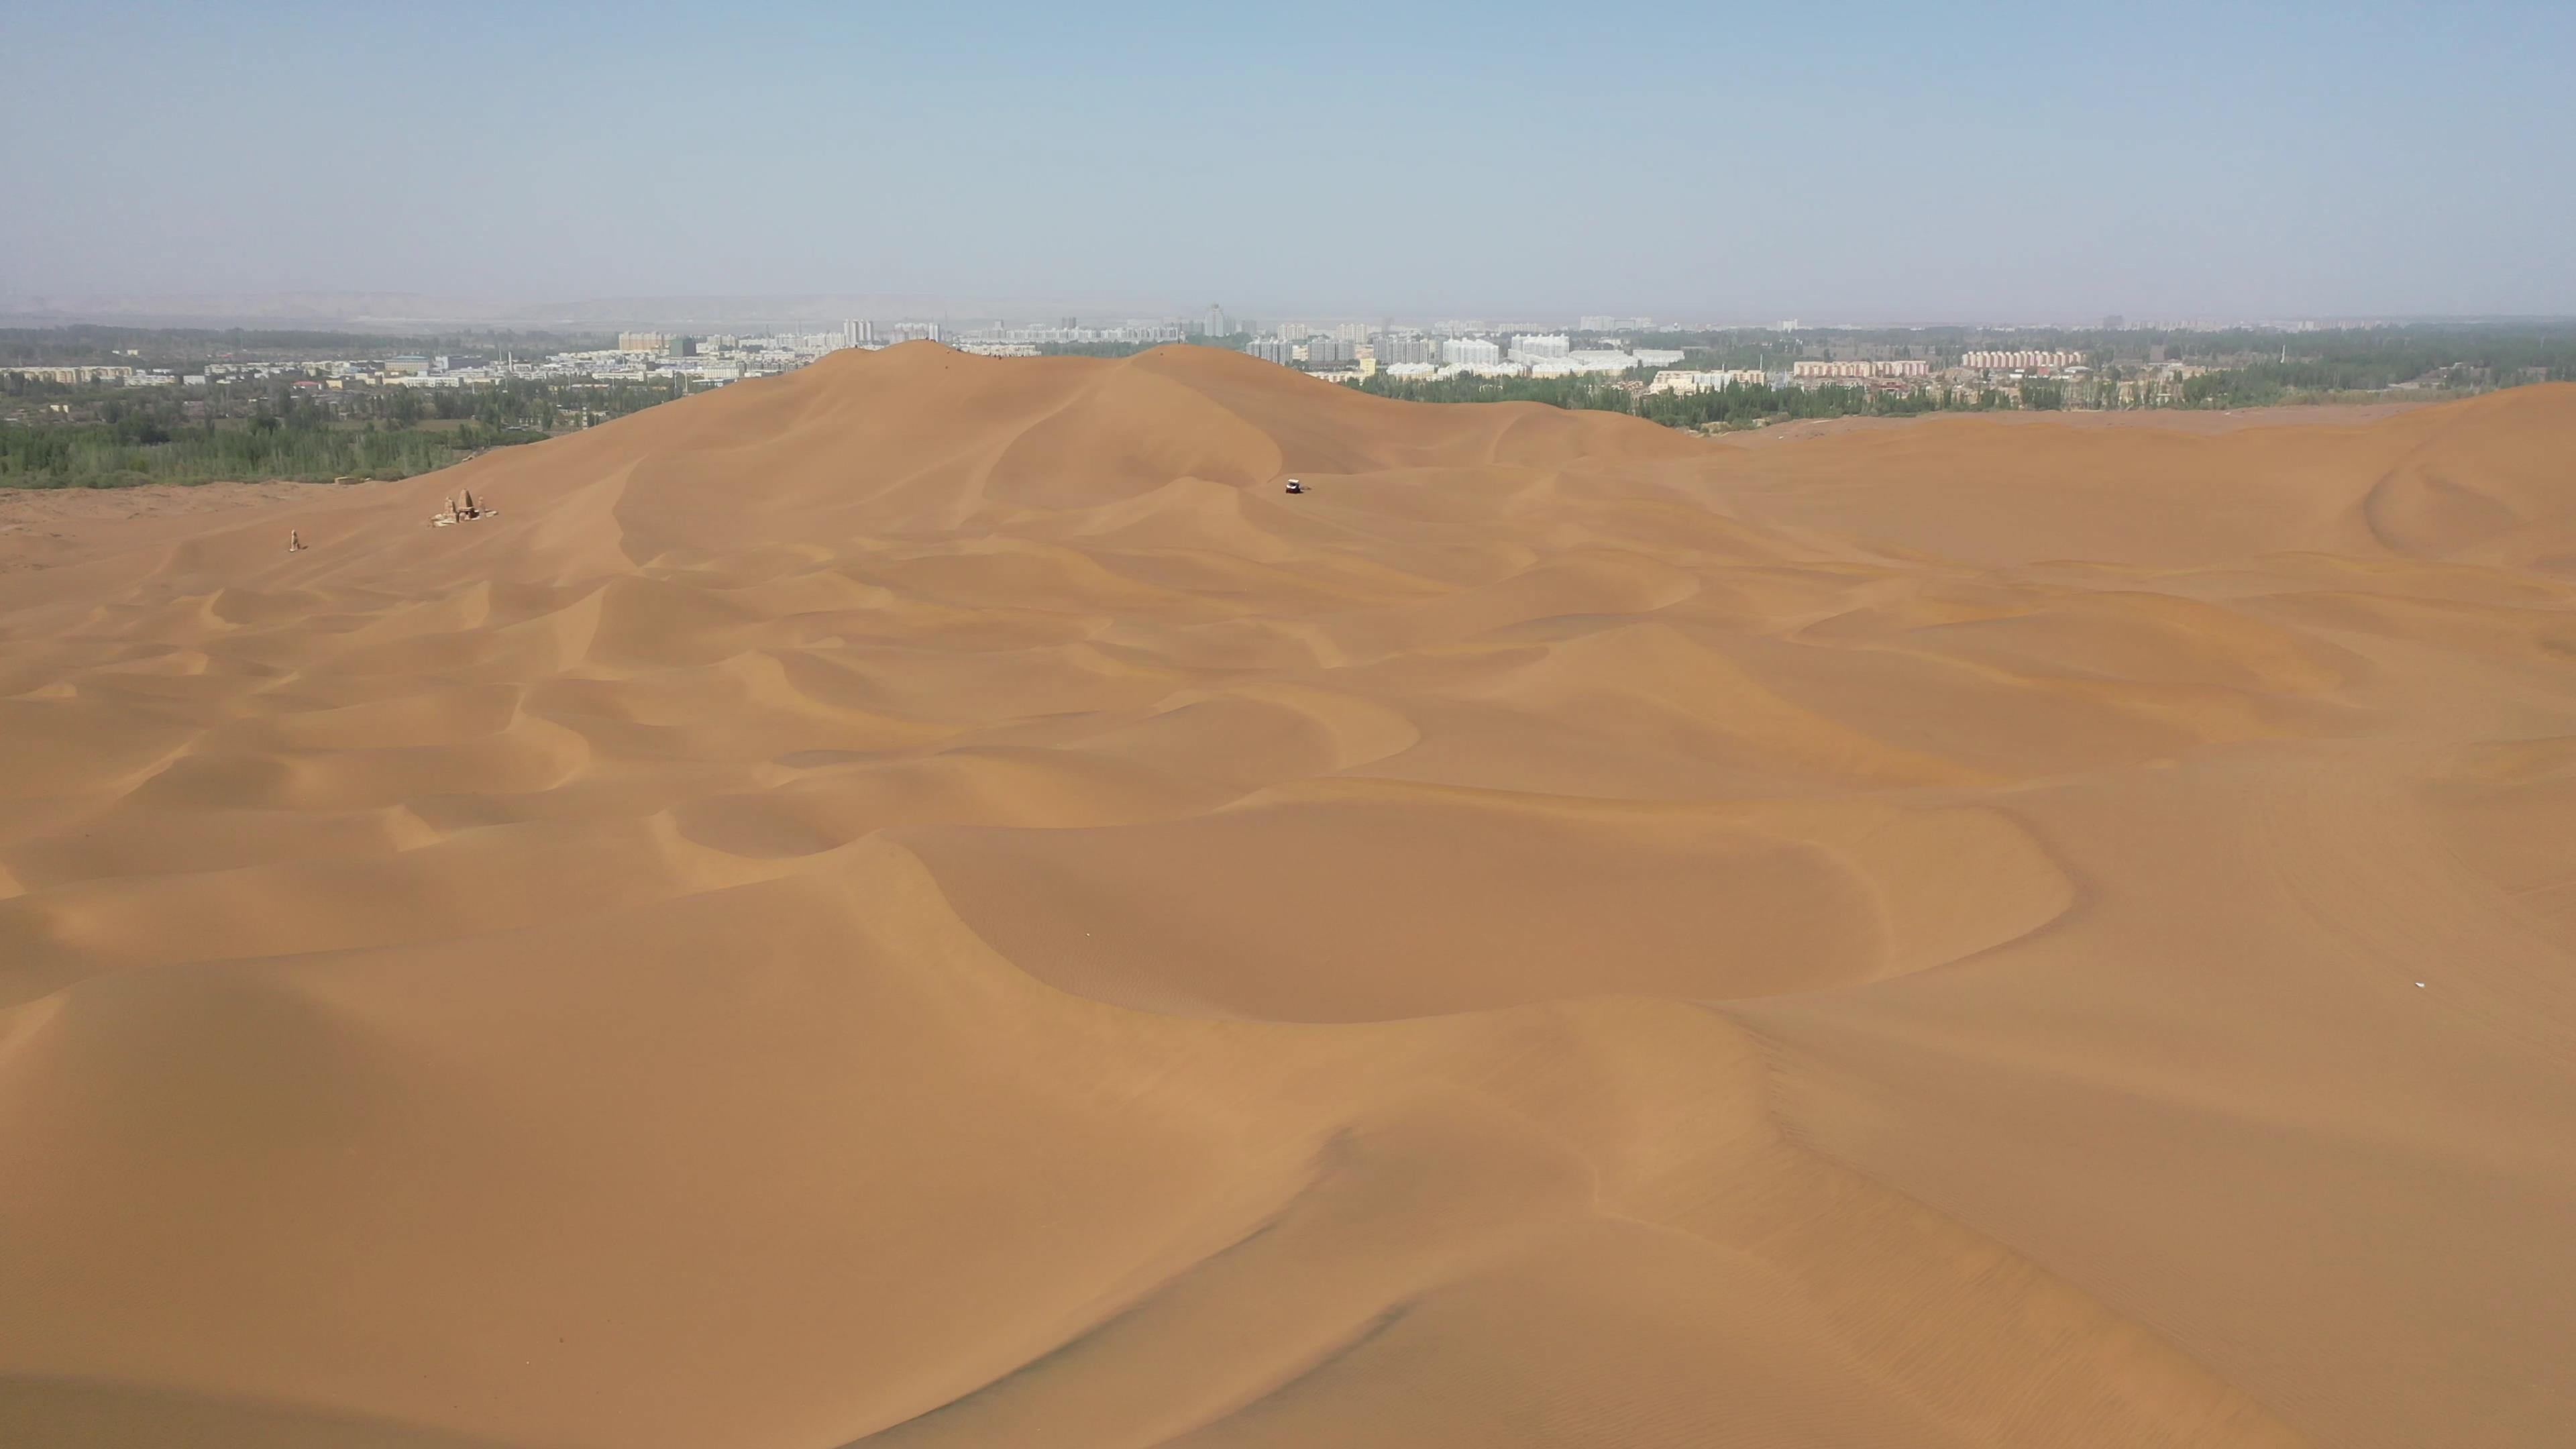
48,527
923,902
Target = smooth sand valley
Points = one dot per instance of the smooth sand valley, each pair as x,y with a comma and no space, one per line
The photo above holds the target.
925,902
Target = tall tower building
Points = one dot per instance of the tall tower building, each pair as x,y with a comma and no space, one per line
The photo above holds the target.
1216,320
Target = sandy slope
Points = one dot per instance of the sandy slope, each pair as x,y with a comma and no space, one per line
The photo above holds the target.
924,902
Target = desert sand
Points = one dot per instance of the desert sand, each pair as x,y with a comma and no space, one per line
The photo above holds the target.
925,902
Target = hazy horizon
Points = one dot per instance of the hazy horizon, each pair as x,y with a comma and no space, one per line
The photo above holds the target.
417,314
1899,167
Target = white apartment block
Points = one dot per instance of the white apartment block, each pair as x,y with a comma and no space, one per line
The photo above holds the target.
2021,361
1884,367
1713,381
1578,363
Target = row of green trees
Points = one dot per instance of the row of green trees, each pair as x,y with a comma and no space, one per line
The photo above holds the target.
1727,407
2339,359
128,436
524,402
1562,392
117,455
2263,384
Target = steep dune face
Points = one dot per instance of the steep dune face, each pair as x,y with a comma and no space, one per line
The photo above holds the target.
925,902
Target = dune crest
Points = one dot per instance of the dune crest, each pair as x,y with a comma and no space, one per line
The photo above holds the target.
925,901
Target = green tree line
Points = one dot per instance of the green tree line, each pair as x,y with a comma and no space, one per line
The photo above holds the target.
1726,407
382,433
117,455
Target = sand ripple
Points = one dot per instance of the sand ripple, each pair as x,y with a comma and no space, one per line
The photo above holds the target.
926,902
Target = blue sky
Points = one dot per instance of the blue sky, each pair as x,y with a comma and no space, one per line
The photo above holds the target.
1901,162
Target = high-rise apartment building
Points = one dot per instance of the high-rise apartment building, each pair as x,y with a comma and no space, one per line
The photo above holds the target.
1470,352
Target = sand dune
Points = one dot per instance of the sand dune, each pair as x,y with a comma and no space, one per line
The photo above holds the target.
925,902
